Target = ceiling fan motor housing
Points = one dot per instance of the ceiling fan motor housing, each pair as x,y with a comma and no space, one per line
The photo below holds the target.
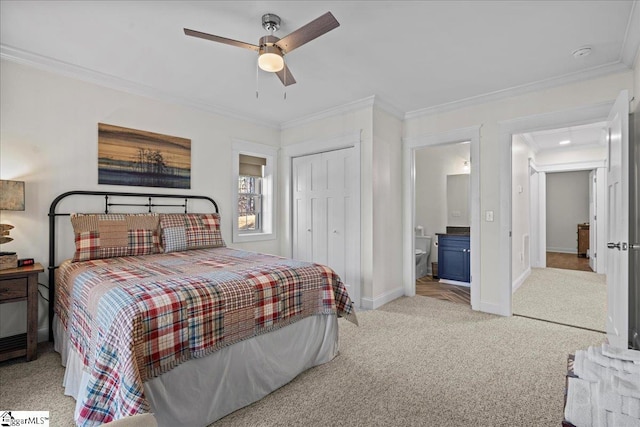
268,45
270,22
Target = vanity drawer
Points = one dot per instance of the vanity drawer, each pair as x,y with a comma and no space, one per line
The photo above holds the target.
11,289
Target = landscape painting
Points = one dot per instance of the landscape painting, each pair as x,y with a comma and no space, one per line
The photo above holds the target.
146,159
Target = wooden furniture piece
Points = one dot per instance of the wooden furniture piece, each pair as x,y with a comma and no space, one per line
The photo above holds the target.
583,239
454,257
20,284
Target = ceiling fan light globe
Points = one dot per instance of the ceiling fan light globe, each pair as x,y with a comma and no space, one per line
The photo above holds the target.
271,62
270,59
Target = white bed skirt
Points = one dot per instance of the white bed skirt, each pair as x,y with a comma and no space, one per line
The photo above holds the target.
200,391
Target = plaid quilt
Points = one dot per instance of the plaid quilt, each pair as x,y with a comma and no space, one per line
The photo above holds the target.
133,318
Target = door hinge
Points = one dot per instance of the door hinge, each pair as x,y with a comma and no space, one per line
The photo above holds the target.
595,217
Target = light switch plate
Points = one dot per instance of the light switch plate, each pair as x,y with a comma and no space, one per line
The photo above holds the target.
488,216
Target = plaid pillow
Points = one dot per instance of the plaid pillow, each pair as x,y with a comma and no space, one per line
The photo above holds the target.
114,235
182,232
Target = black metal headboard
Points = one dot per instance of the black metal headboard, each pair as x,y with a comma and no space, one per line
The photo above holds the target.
149,205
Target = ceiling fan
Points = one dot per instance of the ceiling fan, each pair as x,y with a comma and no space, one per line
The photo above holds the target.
271,49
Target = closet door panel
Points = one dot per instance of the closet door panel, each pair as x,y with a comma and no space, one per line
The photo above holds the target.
326,213
319,230
301,215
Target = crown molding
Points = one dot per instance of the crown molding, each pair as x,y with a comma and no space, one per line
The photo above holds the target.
603,70
631,45
91,76
388,107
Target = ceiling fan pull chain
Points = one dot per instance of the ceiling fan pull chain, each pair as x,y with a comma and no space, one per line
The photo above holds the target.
257,75
285,77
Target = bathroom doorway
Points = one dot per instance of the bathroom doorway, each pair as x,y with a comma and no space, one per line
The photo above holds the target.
442,207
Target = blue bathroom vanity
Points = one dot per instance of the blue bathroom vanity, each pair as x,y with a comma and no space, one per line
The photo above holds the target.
454,257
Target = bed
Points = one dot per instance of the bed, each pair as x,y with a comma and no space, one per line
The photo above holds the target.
155,314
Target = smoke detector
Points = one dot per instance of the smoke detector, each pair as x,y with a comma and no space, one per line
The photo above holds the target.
582,52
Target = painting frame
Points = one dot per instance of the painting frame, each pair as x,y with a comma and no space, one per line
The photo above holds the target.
141,158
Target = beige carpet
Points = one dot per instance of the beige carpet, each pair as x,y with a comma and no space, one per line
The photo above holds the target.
414,362
577,298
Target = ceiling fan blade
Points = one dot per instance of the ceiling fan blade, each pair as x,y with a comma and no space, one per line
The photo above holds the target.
306,33
281,75
219,39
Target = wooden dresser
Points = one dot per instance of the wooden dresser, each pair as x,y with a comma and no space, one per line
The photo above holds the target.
583,239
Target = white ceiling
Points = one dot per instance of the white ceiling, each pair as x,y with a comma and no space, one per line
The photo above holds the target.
583,136
413,55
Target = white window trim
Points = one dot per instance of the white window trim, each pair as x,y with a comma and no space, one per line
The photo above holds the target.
268,190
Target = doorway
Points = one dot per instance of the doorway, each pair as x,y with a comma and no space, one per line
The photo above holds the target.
410,147
554,213
442,203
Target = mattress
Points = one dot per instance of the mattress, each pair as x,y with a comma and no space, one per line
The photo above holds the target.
126,325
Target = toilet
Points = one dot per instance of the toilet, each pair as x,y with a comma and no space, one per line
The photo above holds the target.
423,249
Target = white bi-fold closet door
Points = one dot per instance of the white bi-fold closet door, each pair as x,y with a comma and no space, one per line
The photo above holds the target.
326,213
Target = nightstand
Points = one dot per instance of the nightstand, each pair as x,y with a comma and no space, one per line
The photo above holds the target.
21,284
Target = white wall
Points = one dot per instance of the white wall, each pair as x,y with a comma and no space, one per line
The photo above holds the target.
495,295
432,165
387,209
520,207
48,134
567,206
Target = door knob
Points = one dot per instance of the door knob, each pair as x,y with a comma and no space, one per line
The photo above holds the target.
612,245
634,246
308,229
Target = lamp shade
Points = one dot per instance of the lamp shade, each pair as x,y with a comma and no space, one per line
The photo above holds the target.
11,195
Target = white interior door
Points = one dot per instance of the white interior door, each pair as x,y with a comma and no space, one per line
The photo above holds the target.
326,213
618,223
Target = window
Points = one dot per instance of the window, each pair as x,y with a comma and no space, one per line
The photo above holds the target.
251,171
253,177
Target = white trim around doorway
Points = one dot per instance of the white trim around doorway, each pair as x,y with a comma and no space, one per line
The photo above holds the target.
315,146
409,147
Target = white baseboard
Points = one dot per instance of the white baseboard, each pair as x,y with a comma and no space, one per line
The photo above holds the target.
455,282
520,280
563,250
382,299
493,309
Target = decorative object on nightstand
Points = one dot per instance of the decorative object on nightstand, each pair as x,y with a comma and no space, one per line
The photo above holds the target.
11,199
21,284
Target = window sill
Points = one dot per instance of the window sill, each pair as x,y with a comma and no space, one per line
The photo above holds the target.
253,237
